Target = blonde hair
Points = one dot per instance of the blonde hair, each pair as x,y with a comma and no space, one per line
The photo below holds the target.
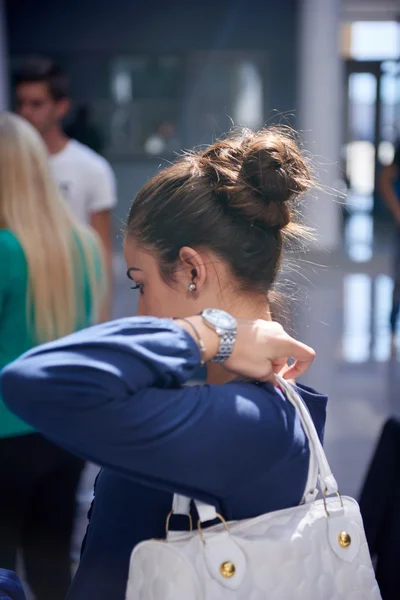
57,248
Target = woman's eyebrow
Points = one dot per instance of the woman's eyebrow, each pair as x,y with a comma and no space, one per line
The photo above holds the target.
135,269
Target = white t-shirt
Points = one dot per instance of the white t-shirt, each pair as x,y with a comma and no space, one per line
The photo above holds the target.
85,179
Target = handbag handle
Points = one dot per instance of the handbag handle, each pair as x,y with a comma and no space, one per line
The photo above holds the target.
325,479
319,471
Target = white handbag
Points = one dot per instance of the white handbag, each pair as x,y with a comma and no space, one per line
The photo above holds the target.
314,551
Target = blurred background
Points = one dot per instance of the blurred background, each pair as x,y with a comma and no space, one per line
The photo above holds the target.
156,77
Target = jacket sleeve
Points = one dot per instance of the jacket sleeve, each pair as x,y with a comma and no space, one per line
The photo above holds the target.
10,586
112,394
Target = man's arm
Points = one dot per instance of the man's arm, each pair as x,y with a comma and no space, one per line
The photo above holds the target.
102,200
102,224
386,187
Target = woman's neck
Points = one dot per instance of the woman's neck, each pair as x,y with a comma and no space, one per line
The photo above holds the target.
216,373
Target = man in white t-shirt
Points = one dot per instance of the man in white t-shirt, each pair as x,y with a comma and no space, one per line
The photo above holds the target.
85,178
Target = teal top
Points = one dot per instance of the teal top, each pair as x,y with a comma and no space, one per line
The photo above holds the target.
16,333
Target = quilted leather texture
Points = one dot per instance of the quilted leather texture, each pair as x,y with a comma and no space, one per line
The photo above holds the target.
289,555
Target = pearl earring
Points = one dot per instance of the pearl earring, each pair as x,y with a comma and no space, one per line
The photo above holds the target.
192,287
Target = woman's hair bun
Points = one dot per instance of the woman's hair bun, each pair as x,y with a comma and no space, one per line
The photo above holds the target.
259,175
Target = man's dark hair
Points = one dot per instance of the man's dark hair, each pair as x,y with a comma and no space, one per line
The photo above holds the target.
43,70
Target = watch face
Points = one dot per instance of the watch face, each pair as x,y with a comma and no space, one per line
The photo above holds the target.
219,318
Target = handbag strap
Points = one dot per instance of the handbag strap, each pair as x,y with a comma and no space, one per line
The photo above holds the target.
319,472
325,479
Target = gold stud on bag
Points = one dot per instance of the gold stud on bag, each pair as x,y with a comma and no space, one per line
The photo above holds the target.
227,569
344,539
282,554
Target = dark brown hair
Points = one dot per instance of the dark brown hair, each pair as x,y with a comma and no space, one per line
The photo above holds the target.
39,69
236,199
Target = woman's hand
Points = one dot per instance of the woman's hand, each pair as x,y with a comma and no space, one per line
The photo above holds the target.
261,350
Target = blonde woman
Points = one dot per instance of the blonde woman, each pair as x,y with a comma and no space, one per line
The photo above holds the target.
51,284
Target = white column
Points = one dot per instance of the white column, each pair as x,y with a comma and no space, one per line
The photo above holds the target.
3,59
320,110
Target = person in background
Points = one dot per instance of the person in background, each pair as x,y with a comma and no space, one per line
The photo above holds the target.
205,233
163,140
390,190
85,178
51,284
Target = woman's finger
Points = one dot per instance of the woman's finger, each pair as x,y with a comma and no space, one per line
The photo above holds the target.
296,369
269,377
303,357
279,365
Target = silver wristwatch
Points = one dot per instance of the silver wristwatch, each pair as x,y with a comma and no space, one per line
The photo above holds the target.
226,327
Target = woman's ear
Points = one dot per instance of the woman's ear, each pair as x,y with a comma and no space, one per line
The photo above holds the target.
192,269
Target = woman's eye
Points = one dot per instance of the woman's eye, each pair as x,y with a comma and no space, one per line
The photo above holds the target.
138,286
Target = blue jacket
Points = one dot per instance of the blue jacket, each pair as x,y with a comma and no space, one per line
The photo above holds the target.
10,586
114,394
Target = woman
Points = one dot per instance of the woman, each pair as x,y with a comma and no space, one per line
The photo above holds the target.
50,286
205,232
